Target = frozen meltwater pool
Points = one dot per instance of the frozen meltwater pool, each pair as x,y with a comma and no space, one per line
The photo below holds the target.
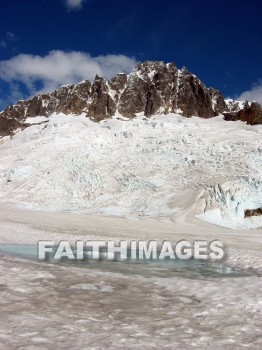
191,268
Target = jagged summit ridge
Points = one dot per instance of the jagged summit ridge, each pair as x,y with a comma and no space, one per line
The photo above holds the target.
152,87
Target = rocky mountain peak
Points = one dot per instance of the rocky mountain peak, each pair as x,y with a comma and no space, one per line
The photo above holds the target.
252,114
152,87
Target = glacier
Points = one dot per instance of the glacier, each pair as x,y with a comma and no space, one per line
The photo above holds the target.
160,167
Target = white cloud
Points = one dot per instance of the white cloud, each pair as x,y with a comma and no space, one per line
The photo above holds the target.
46,73
255,93
74,4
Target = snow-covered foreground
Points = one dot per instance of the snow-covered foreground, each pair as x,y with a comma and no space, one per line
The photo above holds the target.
50,307
45,306
160,167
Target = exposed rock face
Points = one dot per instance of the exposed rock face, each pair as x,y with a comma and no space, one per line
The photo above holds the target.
253,212
102,105
12,117
218,102
251,114
156,87
152,87
193,97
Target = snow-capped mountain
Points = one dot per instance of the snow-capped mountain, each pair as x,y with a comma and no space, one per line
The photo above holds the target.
92,148
151,88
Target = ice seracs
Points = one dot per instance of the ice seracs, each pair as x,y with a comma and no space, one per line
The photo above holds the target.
160,167
226,204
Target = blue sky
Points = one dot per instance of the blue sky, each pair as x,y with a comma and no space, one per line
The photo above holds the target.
46,43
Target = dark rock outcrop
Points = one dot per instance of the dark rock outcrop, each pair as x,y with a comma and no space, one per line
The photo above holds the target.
102,105
193,97
251,114
152,87
253,212
12,118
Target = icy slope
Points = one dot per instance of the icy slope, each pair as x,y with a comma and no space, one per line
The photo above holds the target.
157,167
225,204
